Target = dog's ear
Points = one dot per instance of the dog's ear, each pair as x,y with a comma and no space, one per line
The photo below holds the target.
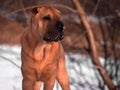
34,10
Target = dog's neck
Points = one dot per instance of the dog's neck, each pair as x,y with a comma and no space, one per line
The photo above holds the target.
34,40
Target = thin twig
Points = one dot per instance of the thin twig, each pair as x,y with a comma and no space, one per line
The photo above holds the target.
94,11
107,17
54,5
21,3
96,7
78,38
10,61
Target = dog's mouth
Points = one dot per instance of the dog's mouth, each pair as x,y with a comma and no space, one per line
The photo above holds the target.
54,32
52,37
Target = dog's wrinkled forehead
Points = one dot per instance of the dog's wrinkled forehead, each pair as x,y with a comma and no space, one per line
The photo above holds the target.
49,11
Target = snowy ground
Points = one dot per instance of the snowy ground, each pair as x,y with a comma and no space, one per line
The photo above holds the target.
80,69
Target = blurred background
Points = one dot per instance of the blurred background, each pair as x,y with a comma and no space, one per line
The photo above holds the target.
104,19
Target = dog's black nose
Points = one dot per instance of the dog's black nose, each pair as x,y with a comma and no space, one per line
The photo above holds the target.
60,25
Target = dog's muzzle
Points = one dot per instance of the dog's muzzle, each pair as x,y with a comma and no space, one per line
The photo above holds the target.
55,32
60,26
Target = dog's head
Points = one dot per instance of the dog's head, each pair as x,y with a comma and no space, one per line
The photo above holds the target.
46,22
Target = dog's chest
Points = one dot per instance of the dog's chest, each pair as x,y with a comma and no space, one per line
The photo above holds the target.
41,51
46,60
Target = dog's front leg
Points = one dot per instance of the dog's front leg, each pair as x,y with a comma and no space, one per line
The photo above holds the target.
29,77
62,75
49,83
31,85
27,84
37,85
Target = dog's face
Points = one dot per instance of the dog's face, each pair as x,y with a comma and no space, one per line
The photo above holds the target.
46,20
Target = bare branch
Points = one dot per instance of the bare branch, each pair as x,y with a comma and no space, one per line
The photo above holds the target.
21,3
92,44
54,5
10,61
96,7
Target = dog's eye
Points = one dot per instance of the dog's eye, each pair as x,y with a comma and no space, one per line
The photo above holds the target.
47,18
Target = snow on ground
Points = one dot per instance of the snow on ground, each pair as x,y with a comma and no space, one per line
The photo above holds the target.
80,69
